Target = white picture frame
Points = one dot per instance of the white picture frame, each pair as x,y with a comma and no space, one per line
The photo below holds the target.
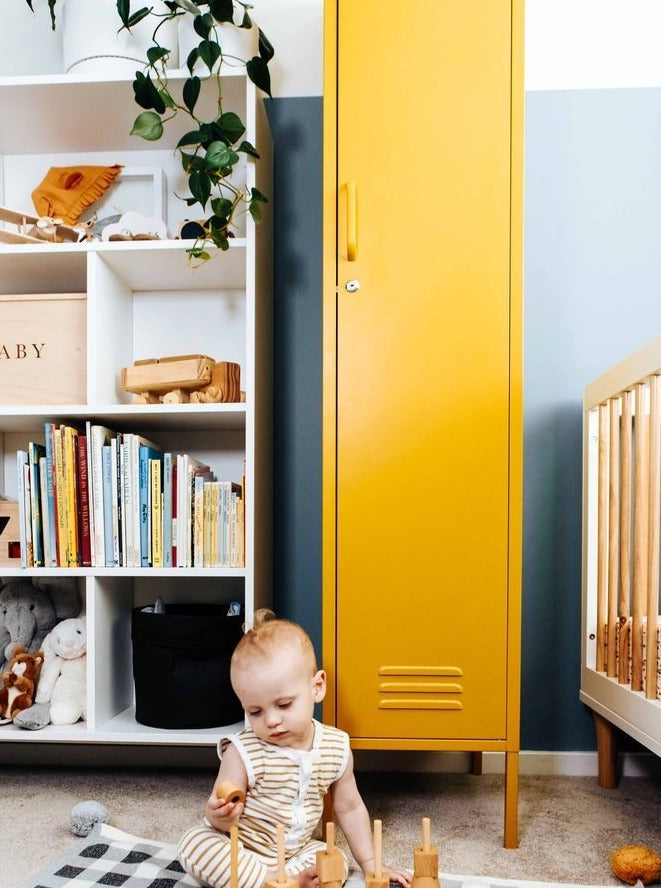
140,189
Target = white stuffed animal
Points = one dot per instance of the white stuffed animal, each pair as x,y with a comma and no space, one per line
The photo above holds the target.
63,675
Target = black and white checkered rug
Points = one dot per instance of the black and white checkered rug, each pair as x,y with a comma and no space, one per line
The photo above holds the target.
108,856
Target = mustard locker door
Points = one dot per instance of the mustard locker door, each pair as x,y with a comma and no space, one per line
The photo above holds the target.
423,314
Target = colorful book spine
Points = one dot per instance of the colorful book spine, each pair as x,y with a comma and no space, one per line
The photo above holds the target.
60,498
106,466
167,510
45,518
115,504
70,480
85,540
100,435
146,452
35,452
156,493
49,428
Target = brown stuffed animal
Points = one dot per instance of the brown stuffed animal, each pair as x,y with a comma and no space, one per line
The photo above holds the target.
19,683
633,862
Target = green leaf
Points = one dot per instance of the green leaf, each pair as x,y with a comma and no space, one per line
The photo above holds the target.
156,53
146,94
191,61
209,53
194,137
247,21
137,17
124,11
255,211
222,10
259,74
51,7
199,253
230,126
266,51
222,207
148,125
256,194
191,91
203,24
219,155
246,148
200,186
167,98
189,6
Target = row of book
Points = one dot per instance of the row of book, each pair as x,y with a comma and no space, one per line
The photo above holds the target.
115,499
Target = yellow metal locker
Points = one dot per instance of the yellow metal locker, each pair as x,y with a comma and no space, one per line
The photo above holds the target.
422,375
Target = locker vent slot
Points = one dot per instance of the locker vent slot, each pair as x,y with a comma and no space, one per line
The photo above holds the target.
418,687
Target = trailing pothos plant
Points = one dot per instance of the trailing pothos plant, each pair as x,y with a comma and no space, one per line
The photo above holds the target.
211,149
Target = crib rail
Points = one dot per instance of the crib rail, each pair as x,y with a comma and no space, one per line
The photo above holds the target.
622,523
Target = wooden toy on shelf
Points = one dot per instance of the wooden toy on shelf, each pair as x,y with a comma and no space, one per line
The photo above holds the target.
425,860
230,792
330,863
34,229
224,387
282,880
182,378
377,879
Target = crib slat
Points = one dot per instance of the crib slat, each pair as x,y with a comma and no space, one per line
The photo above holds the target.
602,540
613,533
652,603
625,536
640,535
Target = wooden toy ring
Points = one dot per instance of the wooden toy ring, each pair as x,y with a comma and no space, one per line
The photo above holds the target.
230,792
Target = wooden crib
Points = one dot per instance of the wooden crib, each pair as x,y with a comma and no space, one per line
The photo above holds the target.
620,647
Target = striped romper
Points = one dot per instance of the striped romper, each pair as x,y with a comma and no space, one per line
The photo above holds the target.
284,786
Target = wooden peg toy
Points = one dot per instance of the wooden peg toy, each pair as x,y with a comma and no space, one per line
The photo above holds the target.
377,879
282,880
234,856
330,863
230,792
425,860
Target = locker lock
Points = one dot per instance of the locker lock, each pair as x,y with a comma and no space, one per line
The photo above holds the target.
352,286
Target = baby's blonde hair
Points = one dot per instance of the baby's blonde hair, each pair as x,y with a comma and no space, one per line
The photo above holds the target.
269,635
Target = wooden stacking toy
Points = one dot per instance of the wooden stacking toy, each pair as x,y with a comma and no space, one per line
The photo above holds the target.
230,792
330,863
282,880
425,860
377,879
234,856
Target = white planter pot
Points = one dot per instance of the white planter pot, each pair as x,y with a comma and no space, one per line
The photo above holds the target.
93,44
237,44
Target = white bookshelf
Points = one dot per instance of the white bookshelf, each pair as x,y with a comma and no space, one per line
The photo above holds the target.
143,300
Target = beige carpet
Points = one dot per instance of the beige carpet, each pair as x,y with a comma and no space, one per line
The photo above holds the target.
568,826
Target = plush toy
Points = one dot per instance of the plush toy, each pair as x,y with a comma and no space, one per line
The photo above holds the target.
30,609
633,862
18,683
85,815
63,675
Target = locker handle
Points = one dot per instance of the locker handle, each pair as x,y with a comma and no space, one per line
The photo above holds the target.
352,223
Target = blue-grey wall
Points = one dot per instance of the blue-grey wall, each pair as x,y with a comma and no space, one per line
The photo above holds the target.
592,294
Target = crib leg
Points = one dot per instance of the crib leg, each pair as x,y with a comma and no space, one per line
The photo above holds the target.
606,751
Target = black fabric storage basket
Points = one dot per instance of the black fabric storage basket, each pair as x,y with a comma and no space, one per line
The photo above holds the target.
181,666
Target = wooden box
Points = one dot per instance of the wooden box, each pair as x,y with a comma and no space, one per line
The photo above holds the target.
43,349
10,546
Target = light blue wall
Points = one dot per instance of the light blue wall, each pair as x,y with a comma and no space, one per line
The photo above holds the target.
592,294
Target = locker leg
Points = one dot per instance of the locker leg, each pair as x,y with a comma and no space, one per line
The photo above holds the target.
606,751
511,799
476,763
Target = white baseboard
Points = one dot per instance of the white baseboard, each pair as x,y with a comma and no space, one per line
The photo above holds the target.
531,762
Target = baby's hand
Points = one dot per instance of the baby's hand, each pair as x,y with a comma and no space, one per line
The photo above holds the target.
403,877
220,813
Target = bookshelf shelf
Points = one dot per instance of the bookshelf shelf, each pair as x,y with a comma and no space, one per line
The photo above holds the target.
143,300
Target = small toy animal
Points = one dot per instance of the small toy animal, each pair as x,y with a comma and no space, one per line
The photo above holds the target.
19,683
